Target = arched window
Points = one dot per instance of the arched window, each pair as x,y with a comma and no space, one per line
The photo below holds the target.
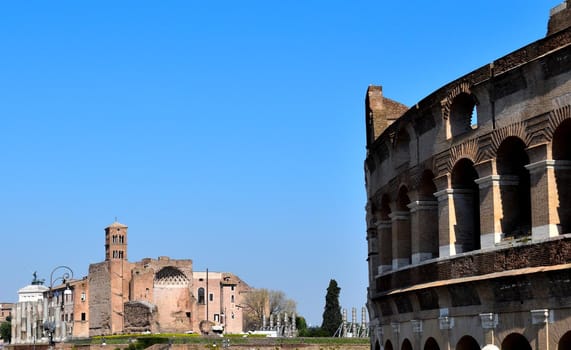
463,114
406,345
388,345
431,344
467,206
565,341
201,299
514,188
515,341
467,343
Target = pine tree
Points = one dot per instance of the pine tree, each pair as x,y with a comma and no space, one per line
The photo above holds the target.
332,314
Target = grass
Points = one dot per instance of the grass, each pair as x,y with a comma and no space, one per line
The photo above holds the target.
145,340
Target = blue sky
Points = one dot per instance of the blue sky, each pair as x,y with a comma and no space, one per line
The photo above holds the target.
230,133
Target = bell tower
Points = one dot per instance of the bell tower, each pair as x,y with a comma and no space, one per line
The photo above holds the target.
116,242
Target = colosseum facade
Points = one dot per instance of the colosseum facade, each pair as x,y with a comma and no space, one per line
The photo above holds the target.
469,206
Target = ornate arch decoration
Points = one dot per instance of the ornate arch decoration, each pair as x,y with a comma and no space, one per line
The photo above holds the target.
556,117
499,135
468,149
446,103
171,275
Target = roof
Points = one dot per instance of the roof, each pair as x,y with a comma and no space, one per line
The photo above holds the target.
116,224
33,288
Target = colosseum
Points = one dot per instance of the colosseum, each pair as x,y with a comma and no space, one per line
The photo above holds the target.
469,206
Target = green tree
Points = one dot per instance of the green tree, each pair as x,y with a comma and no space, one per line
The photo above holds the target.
332,314
301,326
6,331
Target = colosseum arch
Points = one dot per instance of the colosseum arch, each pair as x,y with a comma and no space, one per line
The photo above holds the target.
514,188
498,180
515,341
565,342
467,343
466,206
463,115
388,345
406,345
431,344
561,150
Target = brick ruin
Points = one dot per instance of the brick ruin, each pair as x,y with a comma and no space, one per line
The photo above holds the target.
469,206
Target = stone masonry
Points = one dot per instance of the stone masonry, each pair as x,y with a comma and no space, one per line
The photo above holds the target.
469,206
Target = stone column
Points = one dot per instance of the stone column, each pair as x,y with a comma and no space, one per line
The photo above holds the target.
29,320
544,200
490,210
489,322
445,223
424,230
385,240
17,324
400,238
541,319
417,331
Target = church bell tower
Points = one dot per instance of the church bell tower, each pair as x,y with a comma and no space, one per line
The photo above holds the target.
116,242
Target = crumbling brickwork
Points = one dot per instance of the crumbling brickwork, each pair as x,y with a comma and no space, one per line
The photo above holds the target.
468,205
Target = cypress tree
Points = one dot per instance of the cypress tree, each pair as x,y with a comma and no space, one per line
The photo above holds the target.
332,314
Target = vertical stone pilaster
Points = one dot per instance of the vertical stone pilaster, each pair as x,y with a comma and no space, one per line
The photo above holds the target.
424,230
489,323
490,210
541,318
544,201
446,223
417,331
401,238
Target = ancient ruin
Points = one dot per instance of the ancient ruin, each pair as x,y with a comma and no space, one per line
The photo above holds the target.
469,206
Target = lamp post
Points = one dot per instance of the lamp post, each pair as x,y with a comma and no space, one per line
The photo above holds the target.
61,273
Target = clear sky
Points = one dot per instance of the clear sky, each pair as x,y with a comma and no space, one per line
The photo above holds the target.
226,132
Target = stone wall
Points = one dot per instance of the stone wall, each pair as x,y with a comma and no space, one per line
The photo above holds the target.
490,151
99,280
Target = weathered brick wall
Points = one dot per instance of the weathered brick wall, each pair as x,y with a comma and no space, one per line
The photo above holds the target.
81,308
522,256
99,299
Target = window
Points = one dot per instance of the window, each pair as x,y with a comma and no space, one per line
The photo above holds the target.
232,299
83,316
232,288
216,318
83,296
211,297
201,296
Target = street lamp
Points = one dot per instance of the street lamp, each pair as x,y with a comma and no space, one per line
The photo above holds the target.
62,273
